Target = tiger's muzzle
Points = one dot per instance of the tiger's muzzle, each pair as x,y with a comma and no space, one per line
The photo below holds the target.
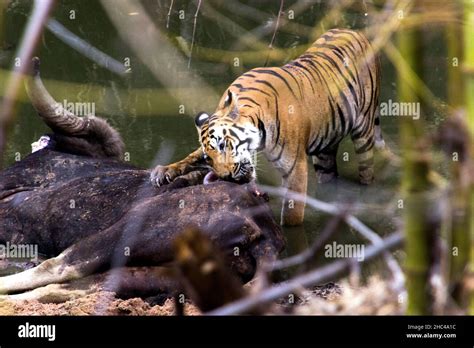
243,175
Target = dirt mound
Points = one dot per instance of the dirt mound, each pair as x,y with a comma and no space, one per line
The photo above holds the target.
100,303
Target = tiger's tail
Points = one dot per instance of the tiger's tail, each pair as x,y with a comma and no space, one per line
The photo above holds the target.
379,142
380,145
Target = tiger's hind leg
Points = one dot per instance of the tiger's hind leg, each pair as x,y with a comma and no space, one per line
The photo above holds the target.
364,145
325,165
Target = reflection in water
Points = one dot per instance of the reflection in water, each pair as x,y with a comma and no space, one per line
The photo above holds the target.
296,242
296,239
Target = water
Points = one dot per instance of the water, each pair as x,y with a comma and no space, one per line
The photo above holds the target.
148,117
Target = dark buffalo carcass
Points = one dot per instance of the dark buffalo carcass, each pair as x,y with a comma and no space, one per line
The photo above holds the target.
89,212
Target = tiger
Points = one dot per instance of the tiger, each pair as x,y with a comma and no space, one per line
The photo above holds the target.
304,108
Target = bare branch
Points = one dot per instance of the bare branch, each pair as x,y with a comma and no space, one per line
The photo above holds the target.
194,33
169,15
270,46
351,220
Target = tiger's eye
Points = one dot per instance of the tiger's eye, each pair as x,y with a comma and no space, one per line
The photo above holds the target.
221,146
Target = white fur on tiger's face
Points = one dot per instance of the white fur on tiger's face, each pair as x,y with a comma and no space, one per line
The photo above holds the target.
229,148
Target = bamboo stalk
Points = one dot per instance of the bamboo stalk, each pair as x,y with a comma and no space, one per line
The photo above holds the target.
469,61
454,139
459,230
415,184
456,229
469,96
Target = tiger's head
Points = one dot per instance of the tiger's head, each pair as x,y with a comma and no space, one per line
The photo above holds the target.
230,138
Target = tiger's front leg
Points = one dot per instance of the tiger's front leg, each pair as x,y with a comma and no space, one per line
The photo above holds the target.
295,181
162,175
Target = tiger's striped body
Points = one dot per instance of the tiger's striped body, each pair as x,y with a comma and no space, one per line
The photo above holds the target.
304,108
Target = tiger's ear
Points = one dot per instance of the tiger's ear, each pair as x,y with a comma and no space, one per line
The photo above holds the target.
200,119
230,103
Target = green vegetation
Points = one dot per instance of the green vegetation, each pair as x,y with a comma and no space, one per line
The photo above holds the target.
469,96
415,182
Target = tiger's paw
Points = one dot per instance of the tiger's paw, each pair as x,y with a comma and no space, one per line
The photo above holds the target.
163,175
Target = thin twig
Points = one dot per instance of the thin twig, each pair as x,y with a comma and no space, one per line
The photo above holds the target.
194,33
169,15
316,276
270,46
